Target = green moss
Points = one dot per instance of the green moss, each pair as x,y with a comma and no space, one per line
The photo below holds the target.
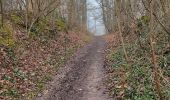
6,36
145,19
16,19
61,25
42,24
39,28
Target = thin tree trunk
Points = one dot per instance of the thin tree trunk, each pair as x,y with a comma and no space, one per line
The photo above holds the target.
120,28
155,65
2,14
26,16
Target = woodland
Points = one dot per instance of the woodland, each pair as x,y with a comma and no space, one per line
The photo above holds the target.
37,37
139,57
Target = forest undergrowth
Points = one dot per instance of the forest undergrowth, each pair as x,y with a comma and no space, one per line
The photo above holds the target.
135,79
29,61
138,59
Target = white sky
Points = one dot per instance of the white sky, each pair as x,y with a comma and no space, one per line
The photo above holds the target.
100,29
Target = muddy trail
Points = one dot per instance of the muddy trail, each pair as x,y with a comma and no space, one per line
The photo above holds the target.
82,77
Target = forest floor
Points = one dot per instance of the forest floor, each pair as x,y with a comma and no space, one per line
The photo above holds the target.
82,78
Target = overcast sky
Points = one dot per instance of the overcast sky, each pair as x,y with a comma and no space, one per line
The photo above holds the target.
91,19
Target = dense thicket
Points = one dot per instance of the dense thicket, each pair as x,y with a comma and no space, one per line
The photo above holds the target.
142,59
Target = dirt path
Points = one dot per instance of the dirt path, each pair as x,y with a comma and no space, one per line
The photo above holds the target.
81,78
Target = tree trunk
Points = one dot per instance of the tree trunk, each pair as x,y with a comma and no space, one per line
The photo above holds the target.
2,14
